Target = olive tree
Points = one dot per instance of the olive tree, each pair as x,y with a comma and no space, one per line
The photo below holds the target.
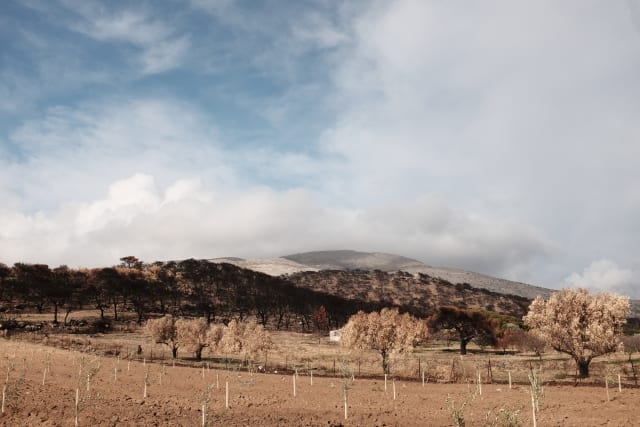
579,324
164,331
247,338
194,335
387,332
469,324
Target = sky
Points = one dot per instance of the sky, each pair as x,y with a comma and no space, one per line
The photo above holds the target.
495,136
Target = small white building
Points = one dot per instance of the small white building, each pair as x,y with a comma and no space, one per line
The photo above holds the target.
335,335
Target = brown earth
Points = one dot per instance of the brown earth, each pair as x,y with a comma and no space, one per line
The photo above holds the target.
176,397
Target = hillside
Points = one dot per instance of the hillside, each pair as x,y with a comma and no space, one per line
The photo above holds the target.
270,266
348,260
353,260
417,293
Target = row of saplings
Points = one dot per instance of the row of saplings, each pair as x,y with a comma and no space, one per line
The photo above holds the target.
572,321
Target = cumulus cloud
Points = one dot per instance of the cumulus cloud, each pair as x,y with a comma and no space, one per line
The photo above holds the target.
187,219
605,275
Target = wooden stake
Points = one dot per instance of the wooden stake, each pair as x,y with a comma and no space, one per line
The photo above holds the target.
294,385
533,410
4,395
509,380
393,381
44,375
204,415
311,377
77,403
606,385
226,404
146,378
619,385
422,378
346,413
385,383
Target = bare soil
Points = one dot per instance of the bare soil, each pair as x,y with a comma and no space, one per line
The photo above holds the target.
176,395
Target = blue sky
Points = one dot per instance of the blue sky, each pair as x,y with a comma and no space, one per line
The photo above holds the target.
496,136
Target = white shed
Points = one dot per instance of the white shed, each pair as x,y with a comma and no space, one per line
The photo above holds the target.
335,335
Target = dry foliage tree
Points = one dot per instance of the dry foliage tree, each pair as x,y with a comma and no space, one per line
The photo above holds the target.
387,332
579,324
164,331
193,334
247,339
469,324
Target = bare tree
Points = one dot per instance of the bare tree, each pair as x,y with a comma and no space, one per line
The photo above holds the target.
579,324
164,331
387,332
528,341
631,344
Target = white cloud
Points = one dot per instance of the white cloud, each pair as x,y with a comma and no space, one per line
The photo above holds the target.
185,193
127,199
516,108
161,49
186,219
127,26
68,154
605,275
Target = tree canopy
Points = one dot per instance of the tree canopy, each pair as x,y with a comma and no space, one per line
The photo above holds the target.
469,324
580,324
387,332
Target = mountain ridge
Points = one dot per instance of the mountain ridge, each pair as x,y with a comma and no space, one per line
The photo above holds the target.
351,260
355,260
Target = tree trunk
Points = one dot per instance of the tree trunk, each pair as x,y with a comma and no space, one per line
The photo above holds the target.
463,346
55,313
385,362
66,317
279,324
583,367
115,311
174,352
198,353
